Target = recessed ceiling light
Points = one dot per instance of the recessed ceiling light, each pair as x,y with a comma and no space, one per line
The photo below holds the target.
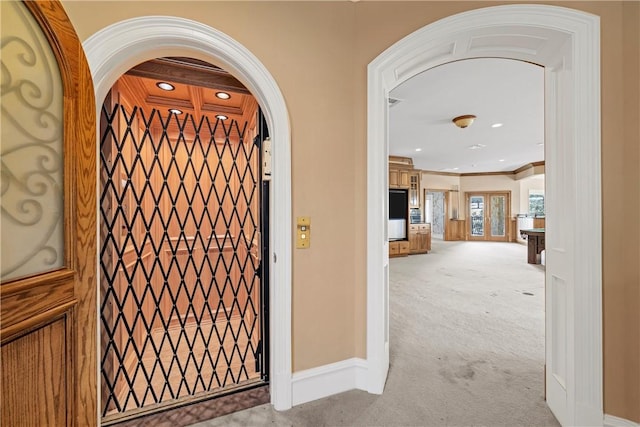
455,169
418,149
175,111
501,160
476,146
223,95
221,117
496,125
165,86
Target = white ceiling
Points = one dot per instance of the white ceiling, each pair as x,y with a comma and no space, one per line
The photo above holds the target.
496,91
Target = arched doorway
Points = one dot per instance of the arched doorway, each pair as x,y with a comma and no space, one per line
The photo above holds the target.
566,43
119,47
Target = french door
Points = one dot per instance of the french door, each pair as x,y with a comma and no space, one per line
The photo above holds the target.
488,216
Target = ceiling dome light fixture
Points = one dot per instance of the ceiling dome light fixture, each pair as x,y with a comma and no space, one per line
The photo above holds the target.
464,121
175,111
222,95
165,86
221,117
496,125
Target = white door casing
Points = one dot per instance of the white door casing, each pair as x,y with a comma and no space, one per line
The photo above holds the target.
567,43
559,280
115,49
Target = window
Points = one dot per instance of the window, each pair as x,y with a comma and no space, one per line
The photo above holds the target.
536,202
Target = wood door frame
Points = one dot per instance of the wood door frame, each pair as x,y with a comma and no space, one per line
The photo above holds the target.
69,293
487,215
449,39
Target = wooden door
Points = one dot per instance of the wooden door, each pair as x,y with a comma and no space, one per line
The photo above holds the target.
48,289
488,216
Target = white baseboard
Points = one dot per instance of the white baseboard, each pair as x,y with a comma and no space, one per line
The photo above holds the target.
328,380
611,421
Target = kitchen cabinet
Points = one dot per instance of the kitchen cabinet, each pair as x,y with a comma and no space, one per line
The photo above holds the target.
419,238
393,178
403,179
398,248
402,176
398,178
414,190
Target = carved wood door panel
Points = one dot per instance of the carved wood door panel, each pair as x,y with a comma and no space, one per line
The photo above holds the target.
48,327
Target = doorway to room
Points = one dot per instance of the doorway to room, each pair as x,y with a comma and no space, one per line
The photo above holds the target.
478,284
183,230
435,208
567,45
115,49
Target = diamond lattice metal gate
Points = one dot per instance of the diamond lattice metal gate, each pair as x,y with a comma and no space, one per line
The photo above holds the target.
181,292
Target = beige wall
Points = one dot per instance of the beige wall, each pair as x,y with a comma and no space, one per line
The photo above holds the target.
621,214
535,182
435,181
313,69
318,53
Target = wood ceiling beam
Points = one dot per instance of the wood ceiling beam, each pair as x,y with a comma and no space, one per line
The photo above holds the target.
221,109
196,99
189,72
185,104
161,101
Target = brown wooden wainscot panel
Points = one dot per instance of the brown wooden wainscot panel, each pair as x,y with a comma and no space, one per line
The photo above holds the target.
36,377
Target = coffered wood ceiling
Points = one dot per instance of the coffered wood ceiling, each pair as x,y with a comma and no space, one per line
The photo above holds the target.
196,84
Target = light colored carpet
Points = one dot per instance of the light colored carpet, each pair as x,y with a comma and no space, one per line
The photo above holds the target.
467,347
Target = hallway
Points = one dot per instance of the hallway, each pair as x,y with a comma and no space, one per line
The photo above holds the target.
467,347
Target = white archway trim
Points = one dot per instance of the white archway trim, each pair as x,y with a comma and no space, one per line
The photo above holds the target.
117,48
535,33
